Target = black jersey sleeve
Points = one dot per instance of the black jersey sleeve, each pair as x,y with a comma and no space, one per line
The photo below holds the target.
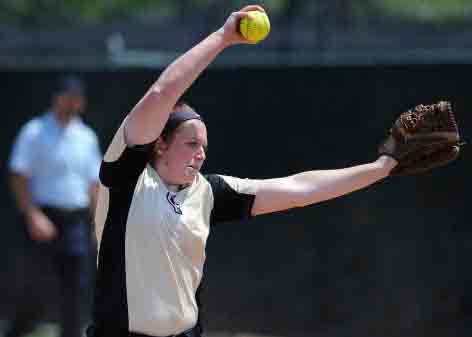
123,164
127,168
230,203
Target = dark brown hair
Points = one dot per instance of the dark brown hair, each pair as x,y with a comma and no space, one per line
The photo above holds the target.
172,125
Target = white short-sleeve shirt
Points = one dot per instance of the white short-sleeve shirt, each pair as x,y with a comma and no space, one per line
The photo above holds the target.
61,162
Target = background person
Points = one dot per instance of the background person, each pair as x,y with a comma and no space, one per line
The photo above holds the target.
54,168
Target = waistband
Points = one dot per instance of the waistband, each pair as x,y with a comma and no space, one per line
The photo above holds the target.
74,213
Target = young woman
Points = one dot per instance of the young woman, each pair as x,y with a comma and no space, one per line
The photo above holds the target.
155,208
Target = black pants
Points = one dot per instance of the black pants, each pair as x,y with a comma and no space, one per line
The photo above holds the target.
56,270
92,332
194,332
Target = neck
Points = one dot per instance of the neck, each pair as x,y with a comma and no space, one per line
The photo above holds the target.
171,186
63,118
176,188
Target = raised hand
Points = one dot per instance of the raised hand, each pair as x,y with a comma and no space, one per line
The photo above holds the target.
230,30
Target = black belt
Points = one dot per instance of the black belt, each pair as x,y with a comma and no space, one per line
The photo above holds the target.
193,332
68,214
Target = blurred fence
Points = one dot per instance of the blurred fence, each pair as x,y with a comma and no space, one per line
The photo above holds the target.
90,35
392,260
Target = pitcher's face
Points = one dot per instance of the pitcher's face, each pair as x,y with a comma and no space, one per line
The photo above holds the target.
181,157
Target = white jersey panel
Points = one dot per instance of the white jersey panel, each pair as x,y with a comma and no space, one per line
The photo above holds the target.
166,236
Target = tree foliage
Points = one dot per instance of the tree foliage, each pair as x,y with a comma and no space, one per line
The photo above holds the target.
35,13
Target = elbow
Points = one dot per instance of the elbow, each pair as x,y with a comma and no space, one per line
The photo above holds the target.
157,93
160,98
161,90
16,179
302,194
307,196
156,89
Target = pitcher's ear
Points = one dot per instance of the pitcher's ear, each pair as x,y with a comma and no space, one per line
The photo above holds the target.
160,146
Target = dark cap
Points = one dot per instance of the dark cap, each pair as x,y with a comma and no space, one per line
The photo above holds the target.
178,117
70,85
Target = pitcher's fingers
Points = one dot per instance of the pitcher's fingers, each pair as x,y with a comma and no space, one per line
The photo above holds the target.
252,8
239,15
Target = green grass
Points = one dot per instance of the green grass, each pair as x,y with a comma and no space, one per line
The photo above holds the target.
43,330
429,10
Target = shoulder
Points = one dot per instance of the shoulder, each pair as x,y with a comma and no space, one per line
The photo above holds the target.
232,197
205,183
33,127
211,179
86,131
214,181
222,183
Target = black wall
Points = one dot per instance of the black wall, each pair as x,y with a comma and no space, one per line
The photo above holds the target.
390,260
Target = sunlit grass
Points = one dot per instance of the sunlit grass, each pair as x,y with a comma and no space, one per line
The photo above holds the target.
43,330
429,10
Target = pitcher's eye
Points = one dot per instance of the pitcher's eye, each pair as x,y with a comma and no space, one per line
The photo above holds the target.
193,145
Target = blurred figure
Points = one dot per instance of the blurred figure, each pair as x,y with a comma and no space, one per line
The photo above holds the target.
53,170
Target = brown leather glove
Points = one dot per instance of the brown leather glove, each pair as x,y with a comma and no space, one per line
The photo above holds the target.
423,138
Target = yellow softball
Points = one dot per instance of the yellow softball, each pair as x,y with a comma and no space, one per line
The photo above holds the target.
255,27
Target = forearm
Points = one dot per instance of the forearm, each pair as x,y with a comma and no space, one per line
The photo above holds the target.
311,187
40,227
149,116
317,186
19,186
180,74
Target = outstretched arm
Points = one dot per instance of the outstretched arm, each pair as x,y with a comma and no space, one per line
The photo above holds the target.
148,117
315,186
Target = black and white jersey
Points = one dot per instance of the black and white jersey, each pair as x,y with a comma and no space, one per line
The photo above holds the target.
152,241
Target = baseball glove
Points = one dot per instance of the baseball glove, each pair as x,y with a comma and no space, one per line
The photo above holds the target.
423,138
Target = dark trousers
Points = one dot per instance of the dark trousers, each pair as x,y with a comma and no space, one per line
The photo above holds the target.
194,332
92,331
189,333
58,270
